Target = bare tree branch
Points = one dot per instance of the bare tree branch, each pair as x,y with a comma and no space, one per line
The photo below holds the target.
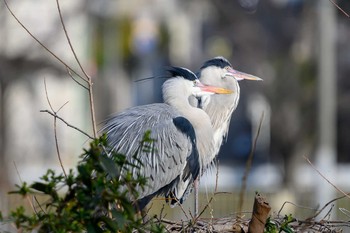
339,8
293,204
40,43
337,188
69,125
87,77
75,80
55,128
69,42
325,206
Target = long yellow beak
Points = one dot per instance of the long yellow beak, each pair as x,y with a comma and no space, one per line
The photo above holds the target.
241,75
216,90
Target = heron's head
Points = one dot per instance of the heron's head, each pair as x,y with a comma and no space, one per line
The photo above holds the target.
190,83
218,70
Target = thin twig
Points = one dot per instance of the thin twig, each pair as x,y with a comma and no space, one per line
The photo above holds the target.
55,128
248,165
87,77
62,106
47,95
339,8
212,198
296,205
338,189
92,108
20,179
39,42
161,216
69,42
75,80
19,176
69,125
345,212
325,206
328,214
184,212
39,205
57,147
27,197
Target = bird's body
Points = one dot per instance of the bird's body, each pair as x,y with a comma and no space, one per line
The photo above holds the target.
174,157
183,139
219,72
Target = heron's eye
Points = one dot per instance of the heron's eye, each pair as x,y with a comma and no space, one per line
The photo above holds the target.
195,82
227,72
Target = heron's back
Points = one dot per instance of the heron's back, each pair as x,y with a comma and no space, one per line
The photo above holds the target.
174,157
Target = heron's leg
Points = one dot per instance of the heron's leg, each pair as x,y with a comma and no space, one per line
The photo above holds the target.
196,197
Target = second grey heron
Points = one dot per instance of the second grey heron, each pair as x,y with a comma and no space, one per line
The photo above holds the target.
219,72
183,137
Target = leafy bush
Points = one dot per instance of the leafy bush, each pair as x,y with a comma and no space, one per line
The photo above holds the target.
95,199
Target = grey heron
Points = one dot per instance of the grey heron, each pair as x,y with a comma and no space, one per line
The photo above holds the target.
219,72
183,137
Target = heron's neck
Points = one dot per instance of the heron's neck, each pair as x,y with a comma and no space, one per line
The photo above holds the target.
220,109
204,133
201,124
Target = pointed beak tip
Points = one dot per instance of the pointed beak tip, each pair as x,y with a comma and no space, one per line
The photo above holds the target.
252,78
244,76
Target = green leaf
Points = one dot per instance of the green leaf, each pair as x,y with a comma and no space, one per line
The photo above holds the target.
270,226
41,187
109,166
22,190
91,228
110,224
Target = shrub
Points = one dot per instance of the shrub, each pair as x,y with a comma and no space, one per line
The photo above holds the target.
97,197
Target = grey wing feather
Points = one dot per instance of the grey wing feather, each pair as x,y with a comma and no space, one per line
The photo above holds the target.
193,166
174,160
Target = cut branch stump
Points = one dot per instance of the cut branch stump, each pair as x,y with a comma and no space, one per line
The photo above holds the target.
261,210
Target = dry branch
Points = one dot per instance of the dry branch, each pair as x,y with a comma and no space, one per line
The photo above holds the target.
339,8
87,77
248,165
337,188
69,125
39,42
55,128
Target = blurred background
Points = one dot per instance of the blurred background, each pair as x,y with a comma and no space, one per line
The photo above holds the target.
300,49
